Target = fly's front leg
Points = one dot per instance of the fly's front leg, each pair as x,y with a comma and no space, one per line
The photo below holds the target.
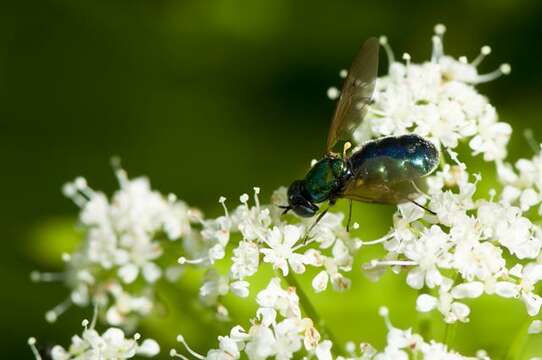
308,233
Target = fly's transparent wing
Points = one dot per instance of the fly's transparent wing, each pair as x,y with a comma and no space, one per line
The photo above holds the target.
356,94
382,193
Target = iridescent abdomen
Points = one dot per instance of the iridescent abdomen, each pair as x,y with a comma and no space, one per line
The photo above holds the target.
389,170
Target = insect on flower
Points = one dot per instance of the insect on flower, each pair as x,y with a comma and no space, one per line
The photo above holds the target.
388,170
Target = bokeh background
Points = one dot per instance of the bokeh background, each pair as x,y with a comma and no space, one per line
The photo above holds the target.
210,98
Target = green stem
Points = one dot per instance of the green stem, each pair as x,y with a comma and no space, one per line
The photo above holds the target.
518,344
424,325
450,329
449,334
311,312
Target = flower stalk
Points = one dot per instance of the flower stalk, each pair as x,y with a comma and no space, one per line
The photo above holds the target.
310,310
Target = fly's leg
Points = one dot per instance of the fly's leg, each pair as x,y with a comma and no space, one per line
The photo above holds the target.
308,233
417,188
349,216
423,207
425,195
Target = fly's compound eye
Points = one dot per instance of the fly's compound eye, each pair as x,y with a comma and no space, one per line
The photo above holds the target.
298,201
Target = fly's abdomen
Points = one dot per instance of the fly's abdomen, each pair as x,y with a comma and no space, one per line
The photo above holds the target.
394,160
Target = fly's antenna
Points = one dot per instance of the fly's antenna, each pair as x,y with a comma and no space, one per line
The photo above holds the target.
346,147
286,208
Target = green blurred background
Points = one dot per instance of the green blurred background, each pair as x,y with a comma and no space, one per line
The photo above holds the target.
210,98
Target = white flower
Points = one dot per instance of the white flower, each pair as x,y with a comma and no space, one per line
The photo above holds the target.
228,349
126,305
404,344
328,229
524,186
240,288
529,276
261,344
288,339
445,302
323,350
492,136
112,344
535,327
428,252
252,222
217,231
512,230
468,290
216,285
319,283
286,302
478,260
280,253
246,258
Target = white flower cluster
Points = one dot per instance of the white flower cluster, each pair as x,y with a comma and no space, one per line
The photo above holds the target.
404,344
460,250
522,183
464,246
437,100
268,237
279,331
112,344
121,256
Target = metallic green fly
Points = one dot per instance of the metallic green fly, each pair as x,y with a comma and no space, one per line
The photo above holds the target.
389,170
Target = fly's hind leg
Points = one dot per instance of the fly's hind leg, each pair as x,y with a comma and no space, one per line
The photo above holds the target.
349,215
423,207
425,195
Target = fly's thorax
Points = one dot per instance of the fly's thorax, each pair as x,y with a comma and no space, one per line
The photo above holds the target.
326,177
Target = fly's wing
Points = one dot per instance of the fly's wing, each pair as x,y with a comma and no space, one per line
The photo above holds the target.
356,94
384,193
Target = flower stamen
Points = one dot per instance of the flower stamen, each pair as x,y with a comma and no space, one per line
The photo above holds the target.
180,339
484,51
222,201
504,69
182,260
381,240
406,57
36,276
389,52
53,314
378,263
174,353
